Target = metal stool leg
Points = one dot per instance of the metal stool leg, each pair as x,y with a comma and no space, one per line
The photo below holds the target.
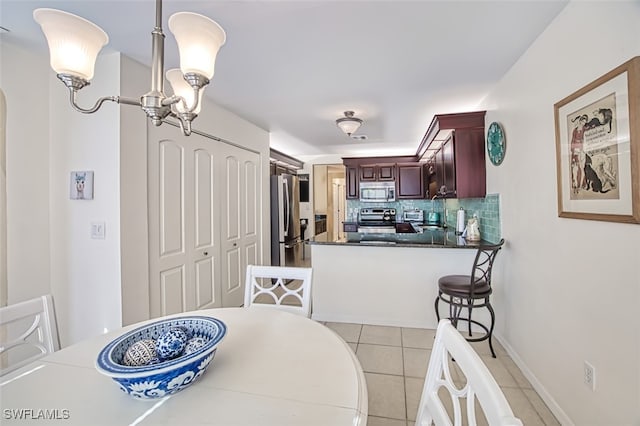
493,320
470,307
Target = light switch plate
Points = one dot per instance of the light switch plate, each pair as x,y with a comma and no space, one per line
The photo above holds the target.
97,230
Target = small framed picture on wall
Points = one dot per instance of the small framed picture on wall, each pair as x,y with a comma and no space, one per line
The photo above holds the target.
81,185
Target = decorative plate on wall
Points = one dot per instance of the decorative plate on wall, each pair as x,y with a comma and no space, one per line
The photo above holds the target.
496,143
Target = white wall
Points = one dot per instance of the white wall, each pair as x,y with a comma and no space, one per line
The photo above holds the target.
571,287
85,272
28,263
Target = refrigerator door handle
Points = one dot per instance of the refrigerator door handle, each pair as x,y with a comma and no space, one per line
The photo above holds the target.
287,208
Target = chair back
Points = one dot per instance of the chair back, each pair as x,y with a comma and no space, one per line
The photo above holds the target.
28,331
483,264
480,386
281,287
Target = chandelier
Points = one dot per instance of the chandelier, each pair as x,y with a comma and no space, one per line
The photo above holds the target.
349,124
74,44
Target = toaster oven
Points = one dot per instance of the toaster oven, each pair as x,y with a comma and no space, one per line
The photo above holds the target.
413,216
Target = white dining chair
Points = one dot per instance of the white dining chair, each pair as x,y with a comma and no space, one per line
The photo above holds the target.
477,387
28,331
281,287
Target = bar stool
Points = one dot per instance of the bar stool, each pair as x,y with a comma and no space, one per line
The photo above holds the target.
471,291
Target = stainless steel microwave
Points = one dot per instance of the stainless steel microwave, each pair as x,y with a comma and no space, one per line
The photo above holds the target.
375,192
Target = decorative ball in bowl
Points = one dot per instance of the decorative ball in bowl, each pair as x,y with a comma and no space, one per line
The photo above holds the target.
162,357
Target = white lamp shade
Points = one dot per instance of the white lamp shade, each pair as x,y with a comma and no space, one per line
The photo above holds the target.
182,88
349,126
74,42
199,39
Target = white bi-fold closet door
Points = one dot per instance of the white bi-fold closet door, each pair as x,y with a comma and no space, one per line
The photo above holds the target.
204,223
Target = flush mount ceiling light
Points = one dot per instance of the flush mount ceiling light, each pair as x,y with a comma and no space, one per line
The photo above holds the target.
74,44
349,124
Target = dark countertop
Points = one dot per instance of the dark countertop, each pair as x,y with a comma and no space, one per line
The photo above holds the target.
430,238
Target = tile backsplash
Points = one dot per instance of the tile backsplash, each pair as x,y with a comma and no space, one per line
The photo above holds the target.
486,209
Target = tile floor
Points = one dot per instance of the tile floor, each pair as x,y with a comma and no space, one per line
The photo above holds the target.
395,360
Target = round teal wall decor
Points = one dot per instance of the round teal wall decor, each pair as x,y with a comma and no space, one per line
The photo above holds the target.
496,143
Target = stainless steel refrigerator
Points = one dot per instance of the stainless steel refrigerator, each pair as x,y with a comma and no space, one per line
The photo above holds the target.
287,247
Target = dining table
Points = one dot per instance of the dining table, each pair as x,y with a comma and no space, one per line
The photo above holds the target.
272,368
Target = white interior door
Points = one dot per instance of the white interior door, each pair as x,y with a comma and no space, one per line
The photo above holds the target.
240,220
184,198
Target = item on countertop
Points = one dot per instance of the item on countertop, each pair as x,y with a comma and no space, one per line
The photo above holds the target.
194,344
171,343
473,229
141,352
460,221
161,377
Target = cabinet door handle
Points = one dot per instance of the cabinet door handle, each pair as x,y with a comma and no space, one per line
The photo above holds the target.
206,253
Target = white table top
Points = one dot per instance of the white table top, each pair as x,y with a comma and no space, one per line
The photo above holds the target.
272,368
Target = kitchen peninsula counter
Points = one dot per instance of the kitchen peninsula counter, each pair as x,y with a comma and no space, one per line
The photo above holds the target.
431,238
387,279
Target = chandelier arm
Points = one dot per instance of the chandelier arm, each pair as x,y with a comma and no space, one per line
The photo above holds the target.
183,121
196,97
72,98
117,99
128,101
174,99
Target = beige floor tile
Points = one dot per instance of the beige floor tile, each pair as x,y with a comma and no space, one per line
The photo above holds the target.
511,366
386,395
413,389
353,346
349,332
380,359
482,348
379,335
522,407
421,338
381,421
541,408
415,362
499,372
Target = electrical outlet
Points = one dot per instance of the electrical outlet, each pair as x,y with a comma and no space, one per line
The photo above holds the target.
590,376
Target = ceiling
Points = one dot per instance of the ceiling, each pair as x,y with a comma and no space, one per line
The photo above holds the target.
293,67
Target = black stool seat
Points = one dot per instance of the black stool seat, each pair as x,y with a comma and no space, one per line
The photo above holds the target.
460,286
471,291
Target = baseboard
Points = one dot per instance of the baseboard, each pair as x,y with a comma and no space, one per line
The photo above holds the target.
537,386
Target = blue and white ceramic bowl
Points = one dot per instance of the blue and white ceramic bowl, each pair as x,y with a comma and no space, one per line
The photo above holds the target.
166,377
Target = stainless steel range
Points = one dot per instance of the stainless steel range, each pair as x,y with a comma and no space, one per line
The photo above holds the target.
377,220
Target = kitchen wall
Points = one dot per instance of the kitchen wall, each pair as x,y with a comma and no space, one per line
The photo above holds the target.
568,289
486,209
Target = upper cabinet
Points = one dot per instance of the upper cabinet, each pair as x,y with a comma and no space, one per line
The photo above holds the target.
352,182
382,172
454,149
372,169
410,182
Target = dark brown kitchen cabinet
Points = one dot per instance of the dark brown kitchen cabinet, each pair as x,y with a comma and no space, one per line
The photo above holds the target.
454,149
352,182
410,182
377,172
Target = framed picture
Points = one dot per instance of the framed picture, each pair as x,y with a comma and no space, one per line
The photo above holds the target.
597,148
81,185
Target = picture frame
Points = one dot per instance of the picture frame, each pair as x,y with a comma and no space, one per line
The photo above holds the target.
597,148
81,185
